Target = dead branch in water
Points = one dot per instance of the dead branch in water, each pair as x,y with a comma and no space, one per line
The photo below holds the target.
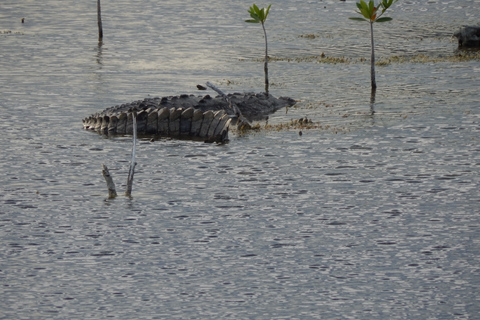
112,193
131,172
242,121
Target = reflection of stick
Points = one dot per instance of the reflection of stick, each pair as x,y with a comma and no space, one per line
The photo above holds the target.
131,172
112,193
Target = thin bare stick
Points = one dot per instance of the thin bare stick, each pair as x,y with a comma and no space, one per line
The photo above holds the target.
99,20
131,172
112,193
242,120
220,92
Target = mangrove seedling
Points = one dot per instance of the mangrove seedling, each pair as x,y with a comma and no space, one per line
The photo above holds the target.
260,16
373,13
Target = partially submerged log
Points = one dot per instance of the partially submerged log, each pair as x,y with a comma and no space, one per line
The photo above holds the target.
468,36
186,116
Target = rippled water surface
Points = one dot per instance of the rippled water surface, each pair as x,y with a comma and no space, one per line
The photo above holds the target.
363,217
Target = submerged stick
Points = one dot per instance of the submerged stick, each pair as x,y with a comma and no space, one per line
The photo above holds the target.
112,193
131,172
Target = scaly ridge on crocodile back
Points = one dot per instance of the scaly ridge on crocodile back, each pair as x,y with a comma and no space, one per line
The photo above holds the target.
186,116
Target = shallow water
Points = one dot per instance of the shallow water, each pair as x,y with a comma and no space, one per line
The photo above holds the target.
366,217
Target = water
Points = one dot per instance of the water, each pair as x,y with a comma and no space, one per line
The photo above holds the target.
364,217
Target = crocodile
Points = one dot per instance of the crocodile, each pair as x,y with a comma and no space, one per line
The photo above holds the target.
186,116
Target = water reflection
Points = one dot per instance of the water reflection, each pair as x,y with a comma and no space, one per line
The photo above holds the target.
99,54
372,101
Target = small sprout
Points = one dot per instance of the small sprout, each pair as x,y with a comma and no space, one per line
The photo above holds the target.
372,13
260,16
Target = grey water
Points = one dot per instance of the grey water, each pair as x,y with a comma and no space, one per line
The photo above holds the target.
367,216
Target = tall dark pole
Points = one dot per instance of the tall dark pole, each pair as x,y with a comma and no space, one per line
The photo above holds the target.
99,18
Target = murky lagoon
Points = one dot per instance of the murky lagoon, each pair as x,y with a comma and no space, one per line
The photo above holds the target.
363,217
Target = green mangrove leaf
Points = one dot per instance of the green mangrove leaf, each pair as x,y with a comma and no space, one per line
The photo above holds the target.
387,4
358,19
257,14
371,12
367,10
371,6
362,6
261,14
254,16
268,10
384,19
256,10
